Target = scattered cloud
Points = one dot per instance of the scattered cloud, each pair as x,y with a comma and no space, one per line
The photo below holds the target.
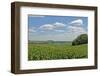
32,30
76,27
77,23
47,27
59,25
52,27
58,31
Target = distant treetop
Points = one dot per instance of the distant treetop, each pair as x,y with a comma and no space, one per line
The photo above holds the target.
81,39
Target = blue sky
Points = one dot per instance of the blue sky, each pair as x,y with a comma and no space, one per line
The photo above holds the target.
57,28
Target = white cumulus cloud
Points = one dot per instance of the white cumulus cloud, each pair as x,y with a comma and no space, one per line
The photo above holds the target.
77,23
76,27
59,25
55,26
47,27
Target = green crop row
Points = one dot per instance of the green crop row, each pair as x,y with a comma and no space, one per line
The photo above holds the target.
53,52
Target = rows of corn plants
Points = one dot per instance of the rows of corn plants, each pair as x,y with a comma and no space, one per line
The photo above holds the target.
53,51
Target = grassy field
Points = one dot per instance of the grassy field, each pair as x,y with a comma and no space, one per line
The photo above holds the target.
56,51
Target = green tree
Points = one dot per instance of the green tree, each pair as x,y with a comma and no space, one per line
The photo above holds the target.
81,39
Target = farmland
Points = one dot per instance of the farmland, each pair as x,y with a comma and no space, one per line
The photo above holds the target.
56,50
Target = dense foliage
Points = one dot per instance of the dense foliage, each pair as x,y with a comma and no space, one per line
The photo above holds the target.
82,39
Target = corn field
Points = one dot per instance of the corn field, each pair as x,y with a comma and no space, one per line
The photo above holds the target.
54,51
